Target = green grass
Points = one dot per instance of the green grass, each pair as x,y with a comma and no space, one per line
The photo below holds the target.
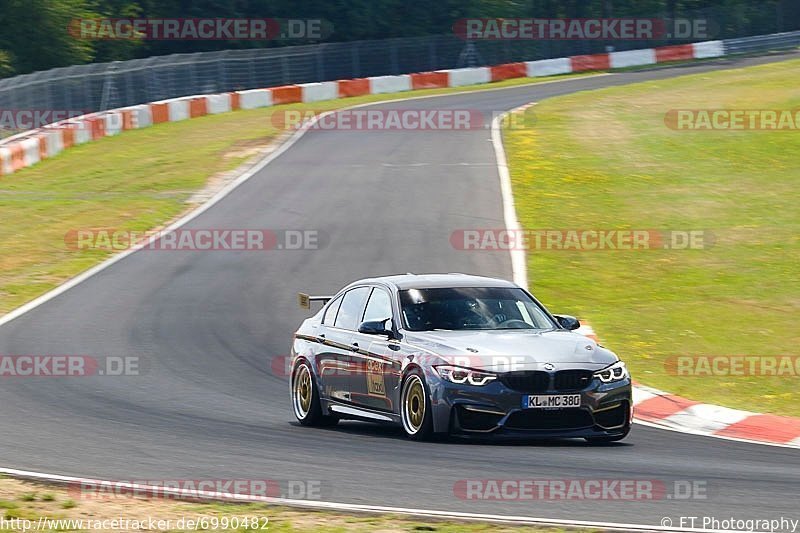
134,182
605,160
284,519
68,504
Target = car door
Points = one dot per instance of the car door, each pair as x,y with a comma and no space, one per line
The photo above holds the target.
378,357
334,352
344,366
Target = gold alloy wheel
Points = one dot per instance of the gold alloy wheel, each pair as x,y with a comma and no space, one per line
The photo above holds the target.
303,392
414,405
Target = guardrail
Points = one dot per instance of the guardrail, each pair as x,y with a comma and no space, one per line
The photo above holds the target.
30,147
762,43
102,86
99,87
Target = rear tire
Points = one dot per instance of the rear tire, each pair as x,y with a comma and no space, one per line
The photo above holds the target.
305,398
415,407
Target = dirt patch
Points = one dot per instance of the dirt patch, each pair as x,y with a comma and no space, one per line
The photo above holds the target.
254,151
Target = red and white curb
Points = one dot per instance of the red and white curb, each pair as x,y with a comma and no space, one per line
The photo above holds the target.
669,411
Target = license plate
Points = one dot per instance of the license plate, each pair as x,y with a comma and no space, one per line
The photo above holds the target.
551,401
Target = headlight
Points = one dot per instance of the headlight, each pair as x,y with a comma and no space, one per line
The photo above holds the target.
457,374
615,372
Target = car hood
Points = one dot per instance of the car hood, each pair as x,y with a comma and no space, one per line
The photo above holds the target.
512,349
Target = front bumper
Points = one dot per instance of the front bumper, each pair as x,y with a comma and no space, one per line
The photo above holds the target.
496,410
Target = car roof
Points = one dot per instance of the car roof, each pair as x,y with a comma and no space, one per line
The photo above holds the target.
432,281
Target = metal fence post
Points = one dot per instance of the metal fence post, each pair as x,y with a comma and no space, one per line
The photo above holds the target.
320,63
285,69
223,78
356,57
394,58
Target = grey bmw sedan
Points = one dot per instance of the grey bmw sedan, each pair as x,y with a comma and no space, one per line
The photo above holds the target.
454,354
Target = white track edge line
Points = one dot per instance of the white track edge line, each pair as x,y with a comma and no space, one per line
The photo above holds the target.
519,268
351,507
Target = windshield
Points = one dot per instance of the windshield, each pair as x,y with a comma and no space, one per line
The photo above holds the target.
462,308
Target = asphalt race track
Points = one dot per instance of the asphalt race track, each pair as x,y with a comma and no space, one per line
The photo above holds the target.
206,326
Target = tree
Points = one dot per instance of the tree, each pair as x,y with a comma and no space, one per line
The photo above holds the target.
35,34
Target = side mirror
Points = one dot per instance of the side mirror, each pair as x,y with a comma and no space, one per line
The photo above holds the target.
376,327
568,322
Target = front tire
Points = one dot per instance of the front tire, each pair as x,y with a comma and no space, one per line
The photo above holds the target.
415,407
305,398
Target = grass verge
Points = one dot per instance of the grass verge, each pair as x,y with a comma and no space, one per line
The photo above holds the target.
135,182
605,159
64,511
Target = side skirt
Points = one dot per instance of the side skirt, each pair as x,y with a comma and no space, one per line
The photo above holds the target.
352,412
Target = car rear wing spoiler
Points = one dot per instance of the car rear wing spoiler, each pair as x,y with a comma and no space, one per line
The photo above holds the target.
304,300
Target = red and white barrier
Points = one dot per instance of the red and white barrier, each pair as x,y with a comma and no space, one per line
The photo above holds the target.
137,116
178,109
468,76
354,87
633,58
708,49
83,131
548,67
680,52
31,151
389,84
54,141
255,98
218,103
31,147
429,80
508,71
171,110
286,94
318,92
113,122
5,161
